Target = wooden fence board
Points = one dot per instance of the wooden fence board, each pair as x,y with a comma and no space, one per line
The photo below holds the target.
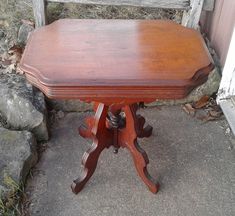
176,4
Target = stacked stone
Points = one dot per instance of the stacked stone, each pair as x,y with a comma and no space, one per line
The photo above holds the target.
23,125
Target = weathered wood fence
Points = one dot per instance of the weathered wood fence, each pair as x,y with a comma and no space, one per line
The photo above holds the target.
192,8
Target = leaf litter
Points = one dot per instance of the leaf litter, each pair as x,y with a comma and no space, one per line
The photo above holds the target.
10,59
205,109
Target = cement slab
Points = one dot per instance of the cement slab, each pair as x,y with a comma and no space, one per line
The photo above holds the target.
194,162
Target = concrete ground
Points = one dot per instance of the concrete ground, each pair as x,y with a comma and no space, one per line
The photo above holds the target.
194,162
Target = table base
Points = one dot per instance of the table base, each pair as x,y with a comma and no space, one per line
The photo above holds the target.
117,126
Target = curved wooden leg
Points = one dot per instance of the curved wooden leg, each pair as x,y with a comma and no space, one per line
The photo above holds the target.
141,161
128,138
86,128
89,162
143,131
140,129
111,129
101,139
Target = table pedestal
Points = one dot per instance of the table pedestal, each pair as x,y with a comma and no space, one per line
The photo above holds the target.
117,126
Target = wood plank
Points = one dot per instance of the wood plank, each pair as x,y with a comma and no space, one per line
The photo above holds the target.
39,7
229,112
176,4
227,85
39,10
225,28
191,17
209,5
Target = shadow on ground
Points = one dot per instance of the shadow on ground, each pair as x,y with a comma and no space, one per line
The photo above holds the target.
193,161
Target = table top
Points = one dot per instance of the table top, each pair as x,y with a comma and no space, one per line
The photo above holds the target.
73,58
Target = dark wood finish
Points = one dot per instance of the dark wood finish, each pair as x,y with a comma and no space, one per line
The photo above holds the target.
140,129
117,135
128,139
133,59
116,64
101,139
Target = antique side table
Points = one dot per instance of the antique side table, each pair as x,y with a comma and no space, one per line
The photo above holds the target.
115,64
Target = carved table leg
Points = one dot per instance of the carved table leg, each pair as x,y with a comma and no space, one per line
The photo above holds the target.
143,131
109,127
140,129
101,139
128,139
85,129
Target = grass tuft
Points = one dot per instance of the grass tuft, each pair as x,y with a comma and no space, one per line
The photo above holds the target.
10,202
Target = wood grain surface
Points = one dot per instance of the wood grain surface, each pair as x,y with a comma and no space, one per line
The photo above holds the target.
116,59
116,63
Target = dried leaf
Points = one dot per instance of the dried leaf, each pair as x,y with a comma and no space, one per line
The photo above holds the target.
189,109
210,118
10,69
212,115
14,49
4,56
202,102
206,118
5,62
15,53
9,60
15,58
19,71
215,114
4,23
28,22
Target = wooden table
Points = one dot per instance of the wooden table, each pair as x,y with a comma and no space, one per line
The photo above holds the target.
115,64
